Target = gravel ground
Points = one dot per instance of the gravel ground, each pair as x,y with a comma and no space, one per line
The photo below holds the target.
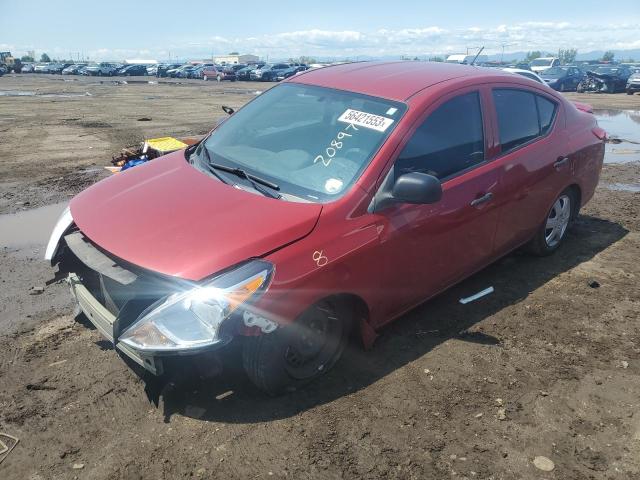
543,374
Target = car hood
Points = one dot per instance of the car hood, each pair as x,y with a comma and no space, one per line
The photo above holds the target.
169,217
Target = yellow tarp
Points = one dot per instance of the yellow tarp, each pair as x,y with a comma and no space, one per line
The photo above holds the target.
165,144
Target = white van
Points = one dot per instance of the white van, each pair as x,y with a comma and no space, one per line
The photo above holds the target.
543,63
467,59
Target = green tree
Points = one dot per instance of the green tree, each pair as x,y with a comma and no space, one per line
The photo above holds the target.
303,59
234,53
436,59
27,58
45,58
532,55
608,56
567,56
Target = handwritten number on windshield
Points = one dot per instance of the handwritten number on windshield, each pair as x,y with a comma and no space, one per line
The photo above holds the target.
335,146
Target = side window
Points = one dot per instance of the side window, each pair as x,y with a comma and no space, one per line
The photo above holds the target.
522,116
517,117
450,140
546,112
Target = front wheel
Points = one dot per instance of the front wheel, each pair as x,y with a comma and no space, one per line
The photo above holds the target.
551,233
296,354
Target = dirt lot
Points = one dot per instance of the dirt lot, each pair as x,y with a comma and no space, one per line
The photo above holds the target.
546,366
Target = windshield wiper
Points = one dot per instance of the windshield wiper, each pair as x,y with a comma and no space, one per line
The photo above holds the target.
206,161
252,179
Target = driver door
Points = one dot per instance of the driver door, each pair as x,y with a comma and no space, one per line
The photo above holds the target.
426,248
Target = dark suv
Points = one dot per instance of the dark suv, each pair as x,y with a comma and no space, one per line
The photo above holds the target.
269,72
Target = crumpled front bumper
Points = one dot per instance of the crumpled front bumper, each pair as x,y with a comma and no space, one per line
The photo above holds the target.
104,321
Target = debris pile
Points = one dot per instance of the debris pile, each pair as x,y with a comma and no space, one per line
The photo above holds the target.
148,150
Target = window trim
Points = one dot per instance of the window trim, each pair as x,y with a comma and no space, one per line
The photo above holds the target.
533,140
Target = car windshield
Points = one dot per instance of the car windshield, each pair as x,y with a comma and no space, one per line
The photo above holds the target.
540,62
313,142
607,70
555,72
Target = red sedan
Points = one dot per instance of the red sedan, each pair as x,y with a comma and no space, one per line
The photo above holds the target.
335,201
219,73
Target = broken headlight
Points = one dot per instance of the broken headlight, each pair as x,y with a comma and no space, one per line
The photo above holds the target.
192,319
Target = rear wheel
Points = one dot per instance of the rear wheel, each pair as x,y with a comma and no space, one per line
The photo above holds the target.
294,355
551,233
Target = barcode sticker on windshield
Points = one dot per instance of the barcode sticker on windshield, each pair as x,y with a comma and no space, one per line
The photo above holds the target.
366,120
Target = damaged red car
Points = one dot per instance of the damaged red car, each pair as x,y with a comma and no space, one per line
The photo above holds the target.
330,204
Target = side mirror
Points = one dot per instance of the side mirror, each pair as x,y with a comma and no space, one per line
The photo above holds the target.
418,188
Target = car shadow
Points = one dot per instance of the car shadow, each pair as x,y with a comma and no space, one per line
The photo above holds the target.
230,397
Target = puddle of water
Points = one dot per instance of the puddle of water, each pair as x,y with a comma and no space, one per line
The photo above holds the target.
26,93
30,227
624,187
240,91
623,127
16,93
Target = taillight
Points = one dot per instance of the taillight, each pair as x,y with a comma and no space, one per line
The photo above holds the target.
600,133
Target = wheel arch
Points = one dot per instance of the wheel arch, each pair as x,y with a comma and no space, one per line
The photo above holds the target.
575,188
358,309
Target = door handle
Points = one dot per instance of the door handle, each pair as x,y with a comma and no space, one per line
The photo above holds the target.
485,198
560,162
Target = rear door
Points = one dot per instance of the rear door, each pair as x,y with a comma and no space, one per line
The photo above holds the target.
425,248
534,157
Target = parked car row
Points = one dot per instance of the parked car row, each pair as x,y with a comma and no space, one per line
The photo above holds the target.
605,78
267,72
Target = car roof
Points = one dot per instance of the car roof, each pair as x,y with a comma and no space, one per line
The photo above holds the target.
392,80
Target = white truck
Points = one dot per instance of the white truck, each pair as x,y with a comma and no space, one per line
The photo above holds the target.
466,59
543,63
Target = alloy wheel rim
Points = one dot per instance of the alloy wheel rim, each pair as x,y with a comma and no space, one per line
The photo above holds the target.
557,221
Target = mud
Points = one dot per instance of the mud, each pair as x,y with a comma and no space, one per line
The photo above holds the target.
548,365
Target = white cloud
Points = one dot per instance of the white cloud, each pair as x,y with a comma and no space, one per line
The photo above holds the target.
420,41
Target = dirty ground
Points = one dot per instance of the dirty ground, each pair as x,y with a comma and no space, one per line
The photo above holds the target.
538,380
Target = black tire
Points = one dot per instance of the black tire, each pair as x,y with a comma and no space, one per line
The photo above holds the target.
540,245
629,92
272,361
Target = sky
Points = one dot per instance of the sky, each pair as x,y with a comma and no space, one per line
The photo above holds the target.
280,29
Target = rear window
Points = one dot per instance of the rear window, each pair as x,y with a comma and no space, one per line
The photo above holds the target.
522,116
546,112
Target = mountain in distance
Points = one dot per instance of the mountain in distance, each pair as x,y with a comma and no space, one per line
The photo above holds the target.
507,57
